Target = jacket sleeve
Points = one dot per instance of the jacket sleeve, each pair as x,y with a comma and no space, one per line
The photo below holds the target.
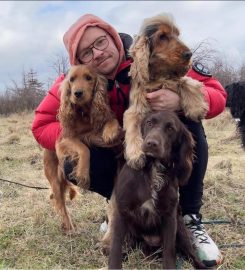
45,127
215,94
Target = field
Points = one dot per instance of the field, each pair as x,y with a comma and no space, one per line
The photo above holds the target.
30,235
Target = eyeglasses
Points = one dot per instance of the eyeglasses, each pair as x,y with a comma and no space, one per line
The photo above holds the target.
101,43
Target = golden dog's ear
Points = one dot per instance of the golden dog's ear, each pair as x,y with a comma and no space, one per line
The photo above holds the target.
140,53
65,106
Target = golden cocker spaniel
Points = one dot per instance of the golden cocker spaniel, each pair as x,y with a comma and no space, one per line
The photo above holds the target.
86,119
160,60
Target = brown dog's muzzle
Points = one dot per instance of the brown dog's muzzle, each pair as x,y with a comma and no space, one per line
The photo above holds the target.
153,145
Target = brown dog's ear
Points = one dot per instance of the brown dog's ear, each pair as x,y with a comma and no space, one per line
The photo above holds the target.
140,53
100,91
100,106
65,106
184,157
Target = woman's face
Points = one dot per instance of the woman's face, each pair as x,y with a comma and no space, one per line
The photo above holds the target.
103,61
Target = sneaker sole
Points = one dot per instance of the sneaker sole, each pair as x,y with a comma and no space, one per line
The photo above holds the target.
213,263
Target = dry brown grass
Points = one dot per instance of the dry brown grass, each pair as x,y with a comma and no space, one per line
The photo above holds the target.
30,235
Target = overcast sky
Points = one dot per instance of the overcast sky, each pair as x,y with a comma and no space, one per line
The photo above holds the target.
32,31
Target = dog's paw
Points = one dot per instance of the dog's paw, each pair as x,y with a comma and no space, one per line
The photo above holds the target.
83,180
111,131
104,247
68,228
195,113
192,99
137,162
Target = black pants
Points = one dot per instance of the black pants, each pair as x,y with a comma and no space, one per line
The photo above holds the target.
191,194
103,169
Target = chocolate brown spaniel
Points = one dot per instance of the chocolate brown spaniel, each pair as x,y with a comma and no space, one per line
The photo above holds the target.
146,200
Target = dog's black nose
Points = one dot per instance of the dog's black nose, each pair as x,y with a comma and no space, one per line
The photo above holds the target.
78,93
152,144
187,55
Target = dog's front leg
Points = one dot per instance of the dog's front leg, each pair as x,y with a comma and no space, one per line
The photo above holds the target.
75,149
133,140
83,165
106,240
132,125
169,242
192,99
118,233
110,131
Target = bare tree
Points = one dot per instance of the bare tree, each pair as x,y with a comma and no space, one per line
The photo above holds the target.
242,72
205,53
217,63
224,71
22,97
60,64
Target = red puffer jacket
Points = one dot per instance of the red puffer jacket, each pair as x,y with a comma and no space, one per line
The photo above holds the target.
46,127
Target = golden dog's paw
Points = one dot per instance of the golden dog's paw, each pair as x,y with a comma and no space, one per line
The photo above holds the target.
111,131
192,99
136,162
68,228
196,113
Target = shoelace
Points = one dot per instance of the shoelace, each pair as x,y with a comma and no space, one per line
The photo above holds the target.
198,231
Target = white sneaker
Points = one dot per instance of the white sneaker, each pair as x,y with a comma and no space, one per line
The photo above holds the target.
104,227
207,250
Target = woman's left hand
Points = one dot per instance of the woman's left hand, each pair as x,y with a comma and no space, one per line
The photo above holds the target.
164,99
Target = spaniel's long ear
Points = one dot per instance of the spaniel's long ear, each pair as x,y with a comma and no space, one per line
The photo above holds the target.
184,156
100,105
140,53
65,105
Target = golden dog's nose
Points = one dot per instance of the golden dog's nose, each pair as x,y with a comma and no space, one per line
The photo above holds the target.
78,93
187,55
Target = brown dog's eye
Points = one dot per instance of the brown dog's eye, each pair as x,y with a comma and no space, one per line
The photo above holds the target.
169,127
88,77
149,123
72,79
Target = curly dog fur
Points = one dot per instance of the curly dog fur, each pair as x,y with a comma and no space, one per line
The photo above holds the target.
85,116
161,60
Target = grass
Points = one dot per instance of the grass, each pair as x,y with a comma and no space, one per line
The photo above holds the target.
30,235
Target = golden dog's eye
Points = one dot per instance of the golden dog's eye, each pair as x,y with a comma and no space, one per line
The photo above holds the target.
88,77
72,79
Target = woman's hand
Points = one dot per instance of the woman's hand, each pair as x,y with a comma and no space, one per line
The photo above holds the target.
164,99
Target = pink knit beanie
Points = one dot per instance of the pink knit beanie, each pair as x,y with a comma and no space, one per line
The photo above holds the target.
75,32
